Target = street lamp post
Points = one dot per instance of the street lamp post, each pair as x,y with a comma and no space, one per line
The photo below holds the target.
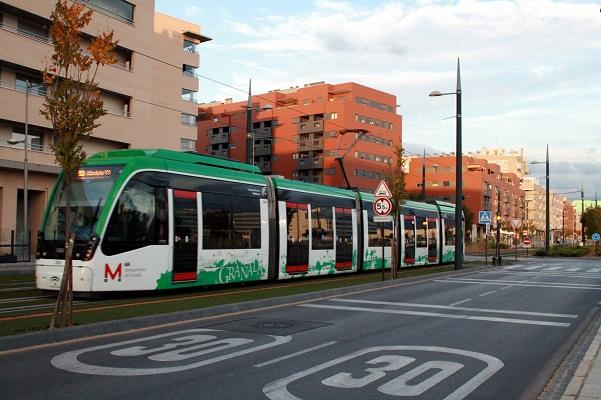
458,172
582,211
547,215
25,142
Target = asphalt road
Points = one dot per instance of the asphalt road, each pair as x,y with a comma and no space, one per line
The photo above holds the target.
494,334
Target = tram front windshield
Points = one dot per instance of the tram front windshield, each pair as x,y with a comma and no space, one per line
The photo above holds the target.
89,190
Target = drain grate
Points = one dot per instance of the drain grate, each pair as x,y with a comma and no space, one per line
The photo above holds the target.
268,326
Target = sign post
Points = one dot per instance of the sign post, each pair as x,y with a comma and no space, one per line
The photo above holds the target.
596,237
516,222
527,243
382,208
484,218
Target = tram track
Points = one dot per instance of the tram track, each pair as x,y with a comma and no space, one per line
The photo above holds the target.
28,312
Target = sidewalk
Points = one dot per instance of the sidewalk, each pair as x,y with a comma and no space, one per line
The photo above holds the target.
17,268
586,382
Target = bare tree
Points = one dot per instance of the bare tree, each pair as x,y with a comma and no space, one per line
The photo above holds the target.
73,105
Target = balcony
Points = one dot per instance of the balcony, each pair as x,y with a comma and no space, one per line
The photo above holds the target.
310,144
310,163
265,166
221,153
262,150
310,127
219,138
262,133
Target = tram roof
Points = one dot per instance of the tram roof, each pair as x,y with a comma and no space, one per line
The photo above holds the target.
283,183
171,155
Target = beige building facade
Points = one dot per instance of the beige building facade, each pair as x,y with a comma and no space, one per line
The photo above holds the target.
511,161
149,95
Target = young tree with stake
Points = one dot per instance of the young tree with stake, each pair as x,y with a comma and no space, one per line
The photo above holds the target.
73,104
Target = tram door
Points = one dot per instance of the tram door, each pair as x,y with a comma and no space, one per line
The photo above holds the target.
185,235
297,256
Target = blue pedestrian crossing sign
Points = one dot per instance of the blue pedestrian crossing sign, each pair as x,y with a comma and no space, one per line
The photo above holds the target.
595,236
484,217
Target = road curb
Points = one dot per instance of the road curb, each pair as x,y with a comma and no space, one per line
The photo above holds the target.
37,339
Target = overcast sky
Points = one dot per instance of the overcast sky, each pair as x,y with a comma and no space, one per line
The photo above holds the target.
530,70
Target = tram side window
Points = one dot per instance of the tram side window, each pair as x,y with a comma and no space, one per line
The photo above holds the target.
449,230
422,231
375,238
139,219
432,235
321,228
230,222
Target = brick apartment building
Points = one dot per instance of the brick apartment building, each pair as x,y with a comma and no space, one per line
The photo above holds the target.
483,182
298,132
149,94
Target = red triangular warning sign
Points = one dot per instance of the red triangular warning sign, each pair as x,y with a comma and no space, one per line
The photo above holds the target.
382,190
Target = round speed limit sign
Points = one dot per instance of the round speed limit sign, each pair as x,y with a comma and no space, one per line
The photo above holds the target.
382,206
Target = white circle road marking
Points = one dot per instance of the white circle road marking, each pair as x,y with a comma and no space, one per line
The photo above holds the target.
69,361
278,390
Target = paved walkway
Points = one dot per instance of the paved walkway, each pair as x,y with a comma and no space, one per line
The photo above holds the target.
17,268
586,382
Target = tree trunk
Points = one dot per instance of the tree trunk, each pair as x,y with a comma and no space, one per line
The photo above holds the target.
63,311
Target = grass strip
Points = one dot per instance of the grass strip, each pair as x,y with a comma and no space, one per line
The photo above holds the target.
108,310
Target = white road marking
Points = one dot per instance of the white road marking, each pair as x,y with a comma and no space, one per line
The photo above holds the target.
278,390
298,353
551,268
596,269
532,268
505,287
527,281
451,307
441,315
69,361
560,274
573,269
459,302
487,293
553,285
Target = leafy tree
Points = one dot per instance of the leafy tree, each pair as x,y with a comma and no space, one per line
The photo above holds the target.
396,184
591,220
73,105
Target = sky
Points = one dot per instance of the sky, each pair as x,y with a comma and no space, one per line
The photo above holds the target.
530,69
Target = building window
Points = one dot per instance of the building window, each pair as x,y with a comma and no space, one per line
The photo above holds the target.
35,84
190,46
187,144
188,119
34,138
189,70
117,8
32,30
189,95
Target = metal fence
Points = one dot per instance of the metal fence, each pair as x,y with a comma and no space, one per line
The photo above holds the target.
15,251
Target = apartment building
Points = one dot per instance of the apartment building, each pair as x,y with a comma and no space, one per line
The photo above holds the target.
299,133
485,187
510,161
149,95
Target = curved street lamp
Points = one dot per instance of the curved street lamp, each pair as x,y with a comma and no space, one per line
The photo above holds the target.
458,172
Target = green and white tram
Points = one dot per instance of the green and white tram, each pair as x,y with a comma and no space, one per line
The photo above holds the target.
160,219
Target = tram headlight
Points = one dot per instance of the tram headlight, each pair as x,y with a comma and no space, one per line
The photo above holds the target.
90,248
